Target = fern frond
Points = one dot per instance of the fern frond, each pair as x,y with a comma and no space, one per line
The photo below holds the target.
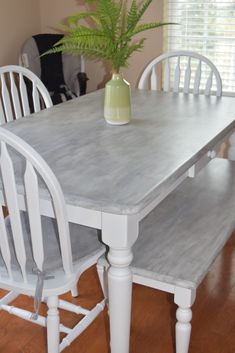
132,48
109,14
132,15
91,52
135,47
84,34
81,31
144,7
73,20
121,56
136,17
146,26
85,40
111,35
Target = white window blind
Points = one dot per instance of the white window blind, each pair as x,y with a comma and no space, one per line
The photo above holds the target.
206,27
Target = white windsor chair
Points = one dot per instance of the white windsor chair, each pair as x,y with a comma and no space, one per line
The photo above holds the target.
40,256
183,71
16,100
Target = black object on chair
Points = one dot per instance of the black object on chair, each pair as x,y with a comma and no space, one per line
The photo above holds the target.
62,74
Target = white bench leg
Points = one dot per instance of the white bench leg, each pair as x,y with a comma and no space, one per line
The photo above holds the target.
183,329
184,298
53,321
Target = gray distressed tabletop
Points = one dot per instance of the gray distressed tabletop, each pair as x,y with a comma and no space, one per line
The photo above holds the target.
120,169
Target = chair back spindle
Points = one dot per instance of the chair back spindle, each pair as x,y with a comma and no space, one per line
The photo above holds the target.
154,80
23,91
2,114
177,76
187,77
36,100
209,84
197,78
15,97
6,100
32,197
166,85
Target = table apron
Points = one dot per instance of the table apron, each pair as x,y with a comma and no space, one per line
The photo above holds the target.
76,214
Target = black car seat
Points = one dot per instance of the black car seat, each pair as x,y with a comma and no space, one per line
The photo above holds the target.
63,75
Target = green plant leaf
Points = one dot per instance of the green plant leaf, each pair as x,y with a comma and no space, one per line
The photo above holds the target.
73,20
146,26
109,35
132,15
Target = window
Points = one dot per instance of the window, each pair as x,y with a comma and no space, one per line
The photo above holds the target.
206,27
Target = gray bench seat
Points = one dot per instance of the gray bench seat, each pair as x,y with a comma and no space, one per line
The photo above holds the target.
181,237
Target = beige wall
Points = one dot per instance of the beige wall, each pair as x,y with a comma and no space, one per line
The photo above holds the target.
19,19
55,11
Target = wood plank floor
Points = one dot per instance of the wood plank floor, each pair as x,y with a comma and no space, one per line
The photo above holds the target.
153,317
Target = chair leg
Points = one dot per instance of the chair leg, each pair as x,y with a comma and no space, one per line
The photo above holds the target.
103,277
74,291
183,329
8,298
53,321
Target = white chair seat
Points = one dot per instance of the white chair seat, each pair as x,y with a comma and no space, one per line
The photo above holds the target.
84,243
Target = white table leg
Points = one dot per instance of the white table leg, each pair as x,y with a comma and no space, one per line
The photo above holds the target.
231,149
119,232
120,291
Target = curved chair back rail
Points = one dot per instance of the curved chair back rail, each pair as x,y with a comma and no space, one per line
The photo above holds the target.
188,80
16,99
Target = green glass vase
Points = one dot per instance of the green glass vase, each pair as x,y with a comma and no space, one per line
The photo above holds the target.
117,101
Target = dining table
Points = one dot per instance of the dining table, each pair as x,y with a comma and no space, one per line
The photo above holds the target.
113,176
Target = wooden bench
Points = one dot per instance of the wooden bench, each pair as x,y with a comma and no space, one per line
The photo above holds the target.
181,237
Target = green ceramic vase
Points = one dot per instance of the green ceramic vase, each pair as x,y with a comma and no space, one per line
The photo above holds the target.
117,101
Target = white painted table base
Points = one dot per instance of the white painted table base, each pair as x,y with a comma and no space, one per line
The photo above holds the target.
113,176
119,232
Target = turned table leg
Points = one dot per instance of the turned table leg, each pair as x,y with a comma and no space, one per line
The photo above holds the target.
120,292
119,232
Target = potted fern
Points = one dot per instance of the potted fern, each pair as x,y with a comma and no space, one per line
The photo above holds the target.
109,36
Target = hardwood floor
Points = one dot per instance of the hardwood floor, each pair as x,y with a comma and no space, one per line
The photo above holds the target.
153,317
